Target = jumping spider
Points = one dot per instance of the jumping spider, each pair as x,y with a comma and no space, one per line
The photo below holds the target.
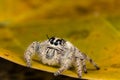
58,52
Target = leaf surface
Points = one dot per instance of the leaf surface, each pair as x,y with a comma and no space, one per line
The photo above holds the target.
96,37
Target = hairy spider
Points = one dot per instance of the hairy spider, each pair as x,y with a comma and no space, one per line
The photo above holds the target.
58,52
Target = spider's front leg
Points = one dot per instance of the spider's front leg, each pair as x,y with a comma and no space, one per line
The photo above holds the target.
64,67
65,63
31,50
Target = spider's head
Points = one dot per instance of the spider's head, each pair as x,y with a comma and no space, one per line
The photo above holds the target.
56,41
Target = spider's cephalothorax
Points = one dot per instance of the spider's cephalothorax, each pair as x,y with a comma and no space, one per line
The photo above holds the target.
58,52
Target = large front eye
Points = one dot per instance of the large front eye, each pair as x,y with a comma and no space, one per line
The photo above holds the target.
51,40
56,43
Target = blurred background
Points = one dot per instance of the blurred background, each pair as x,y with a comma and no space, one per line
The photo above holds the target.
89,24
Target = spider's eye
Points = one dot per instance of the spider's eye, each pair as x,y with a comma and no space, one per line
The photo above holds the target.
51,40
56,43
62,41
59,42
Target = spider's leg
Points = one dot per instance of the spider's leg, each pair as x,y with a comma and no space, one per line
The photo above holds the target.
65,63
92,62
31,50
84,65
63,67
79,66
79,62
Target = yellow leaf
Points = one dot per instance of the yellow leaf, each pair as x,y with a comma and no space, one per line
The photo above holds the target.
97,38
